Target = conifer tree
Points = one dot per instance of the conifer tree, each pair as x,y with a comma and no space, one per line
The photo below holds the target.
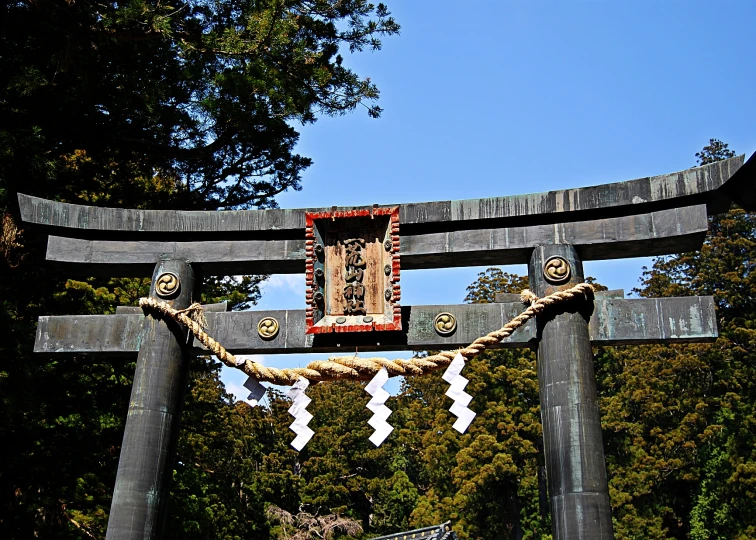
678,419
145,104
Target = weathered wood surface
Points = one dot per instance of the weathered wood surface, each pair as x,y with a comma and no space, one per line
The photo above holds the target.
145,466
374,279
135,258
657,233
573,447
709,184
109,335
614,321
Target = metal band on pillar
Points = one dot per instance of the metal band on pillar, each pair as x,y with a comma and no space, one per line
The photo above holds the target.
149,442
575,466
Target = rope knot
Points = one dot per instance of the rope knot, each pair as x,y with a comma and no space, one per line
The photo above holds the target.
196,312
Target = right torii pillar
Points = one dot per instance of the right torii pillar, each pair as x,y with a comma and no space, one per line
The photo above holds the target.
574,452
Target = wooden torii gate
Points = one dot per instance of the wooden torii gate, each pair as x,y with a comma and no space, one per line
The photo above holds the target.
552,232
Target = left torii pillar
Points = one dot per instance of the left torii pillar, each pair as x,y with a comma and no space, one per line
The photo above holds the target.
140,497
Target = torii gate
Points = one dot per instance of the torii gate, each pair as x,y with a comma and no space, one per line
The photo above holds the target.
351,303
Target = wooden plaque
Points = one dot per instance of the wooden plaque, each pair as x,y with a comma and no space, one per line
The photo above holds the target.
352,270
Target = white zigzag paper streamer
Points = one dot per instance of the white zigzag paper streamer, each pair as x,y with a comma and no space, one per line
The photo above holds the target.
457,392
377,404
257,390
301,416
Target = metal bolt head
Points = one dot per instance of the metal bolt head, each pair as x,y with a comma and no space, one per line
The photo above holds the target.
445,324
388,294
268,328
367,319
318,296
387,245
167,285
340,320
319,250
556,270
319,273
387,269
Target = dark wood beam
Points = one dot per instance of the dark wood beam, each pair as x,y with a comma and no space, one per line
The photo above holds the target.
741,187
714,184
614,321
657,233
111,336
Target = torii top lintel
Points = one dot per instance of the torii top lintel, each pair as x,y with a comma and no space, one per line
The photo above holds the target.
647,216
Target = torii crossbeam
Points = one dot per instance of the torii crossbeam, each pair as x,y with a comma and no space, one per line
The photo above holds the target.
352,258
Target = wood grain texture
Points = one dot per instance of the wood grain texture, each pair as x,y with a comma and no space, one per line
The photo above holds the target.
657,233
614,321
710,184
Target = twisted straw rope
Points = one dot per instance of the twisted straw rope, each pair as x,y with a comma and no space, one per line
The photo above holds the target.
351,367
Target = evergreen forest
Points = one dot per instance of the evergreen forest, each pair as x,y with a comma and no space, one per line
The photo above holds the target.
193,105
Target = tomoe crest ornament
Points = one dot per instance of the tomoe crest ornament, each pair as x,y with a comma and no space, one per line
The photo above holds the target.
167,284
556,270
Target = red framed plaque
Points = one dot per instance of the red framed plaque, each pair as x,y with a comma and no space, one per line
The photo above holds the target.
352,270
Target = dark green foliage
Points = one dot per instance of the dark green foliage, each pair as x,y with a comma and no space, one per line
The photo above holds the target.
679,420
215,493
485,481
174,104
193,105
715,151
241,292
147,104
493,281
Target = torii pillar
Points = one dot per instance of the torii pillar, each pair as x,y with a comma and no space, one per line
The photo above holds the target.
553,232
140,496
574,451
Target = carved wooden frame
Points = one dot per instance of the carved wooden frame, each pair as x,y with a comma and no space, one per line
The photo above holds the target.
313,313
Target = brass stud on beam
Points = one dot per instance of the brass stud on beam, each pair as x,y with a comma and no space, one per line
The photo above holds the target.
268,328
445,324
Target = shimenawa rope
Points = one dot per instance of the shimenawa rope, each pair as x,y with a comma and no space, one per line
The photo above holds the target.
352,367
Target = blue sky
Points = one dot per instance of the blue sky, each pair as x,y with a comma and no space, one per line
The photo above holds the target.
494,98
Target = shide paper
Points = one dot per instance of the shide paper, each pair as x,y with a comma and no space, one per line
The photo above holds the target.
257,390
377,404
457,393
298,410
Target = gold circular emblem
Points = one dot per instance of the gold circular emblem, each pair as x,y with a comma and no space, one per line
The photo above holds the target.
167,284
556,270
445,324
267,328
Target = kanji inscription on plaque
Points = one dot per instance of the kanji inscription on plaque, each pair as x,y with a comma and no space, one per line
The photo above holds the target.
352,270
354,290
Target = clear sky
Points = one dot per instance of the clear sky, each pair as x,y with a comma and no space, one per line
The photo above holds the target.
493,98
